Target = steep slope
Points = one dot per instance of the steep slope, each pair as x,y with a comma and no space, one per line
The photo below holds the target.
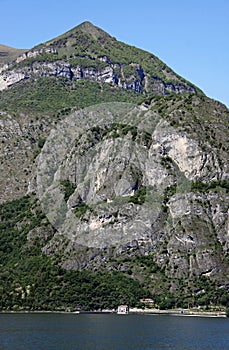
125,167
142,181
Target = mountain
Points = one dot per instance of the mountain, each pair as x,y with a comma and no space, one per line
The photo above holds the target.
114,179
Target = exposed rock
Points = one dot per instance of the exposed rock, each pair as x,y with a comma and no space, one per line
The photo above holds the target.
10,79
109,167
19,148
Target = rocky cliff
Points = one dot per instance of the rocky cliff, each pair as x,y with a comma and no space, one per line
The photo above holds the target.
140,183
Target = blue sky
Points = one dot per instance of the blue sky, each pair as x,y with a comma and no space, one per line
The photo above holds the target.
190,36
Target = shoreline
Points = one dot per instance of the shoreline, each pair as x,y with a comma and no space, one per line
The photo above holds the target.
178,312
132,311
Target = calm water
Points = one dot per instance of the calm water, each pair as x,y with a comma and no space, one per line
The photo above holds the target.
96,331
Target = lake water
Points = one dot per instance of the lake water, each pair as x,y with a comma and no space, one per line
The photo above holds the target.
111,331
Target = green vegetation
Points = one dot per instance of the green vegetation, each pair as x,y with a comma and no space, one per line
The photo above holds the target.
81,209
203,293
68,188
116,52
147,262
168,193
41,142
52,95
205,187
139,196
43,57
81,49
198,116
119,130
13,228
169,293
87,63
30,281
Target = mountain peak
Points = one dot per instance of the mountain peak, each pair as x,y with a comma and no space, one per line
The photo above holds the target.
86,25
90,28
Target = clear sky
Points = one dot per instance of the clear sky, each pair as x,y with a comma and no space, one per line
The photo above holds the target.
190,36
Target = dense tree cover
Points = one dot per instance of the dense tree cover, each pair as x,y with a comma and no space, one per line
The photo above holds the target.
30,281
55,289
51,95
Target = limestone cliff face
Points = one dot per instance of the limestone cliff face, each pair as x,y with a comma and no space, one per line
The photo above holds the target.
19,148
107,74
135,181
142,183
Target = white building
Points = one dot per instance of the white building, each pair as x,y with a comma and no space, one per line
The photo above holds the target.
123,309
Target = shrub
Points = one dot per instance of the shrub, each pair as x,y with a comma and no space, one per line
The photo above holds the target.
68,188
139,196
